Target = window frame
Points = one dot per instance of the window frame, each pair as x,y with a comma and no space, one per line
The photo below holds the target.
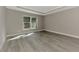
30,22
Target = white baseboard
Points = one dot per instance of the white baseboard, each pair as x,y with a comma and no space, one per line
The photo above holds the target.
70,35
22,33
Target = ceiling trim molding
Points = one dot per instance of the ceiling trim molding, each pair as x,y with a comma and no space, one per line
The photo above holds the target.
23,7
54,9
19,8
24,10
60,9
30,9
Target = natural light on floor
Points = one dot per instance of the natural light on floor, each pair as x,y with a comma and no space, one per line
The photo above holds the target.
20,36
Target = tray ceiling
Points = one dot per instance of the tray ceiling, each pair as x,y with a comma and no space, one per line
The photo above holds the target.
40,10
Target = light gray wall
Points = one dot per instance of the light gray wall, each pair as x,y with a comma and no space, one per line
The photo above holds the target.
2,26
65,22
14,21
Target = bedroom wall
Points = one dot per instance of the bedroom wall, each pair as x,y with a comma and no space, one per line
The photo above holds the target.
14,21
2,26
66,22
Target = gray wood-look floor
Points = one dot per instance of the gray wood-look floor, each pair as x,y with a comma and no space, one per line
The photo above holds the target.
42,42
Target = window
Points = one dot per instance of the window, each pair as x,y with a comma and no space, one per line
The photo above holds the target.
30,22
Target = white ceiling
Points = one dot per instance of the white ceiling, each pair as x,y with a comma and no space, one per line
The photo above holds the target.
40,10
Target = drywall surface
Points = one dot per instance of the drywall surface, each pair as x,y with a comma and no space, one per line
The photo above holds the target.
64,22
2,26
14,22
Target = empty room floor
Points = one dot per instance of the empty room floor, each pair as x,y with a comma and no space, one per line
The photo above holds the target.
42,42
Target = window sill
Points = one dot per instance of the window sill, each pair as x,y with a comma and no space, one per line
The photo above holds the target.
29,29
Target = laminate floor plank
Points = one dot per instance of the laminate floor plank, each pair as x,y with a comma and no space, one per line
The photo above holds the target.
41,42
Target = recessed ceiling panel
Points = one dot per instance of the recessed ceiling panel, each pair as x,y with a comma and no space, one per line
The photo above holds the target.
42,9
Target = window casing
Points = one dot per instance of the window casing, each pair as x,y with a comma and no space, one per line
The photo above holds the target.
29,22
